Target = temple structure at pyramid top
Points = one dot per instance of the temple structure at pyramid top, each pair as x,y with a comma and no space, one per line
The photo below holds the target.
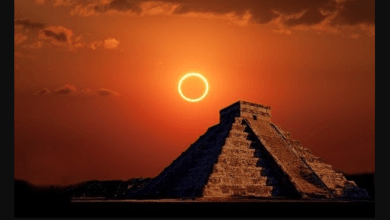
246,110
246,155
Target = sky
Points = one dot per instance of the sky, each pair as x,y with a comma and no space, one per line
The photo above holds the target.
96,81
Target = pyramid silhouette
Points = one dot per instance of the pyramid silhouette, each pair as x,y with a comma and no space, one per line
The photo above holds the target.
248,156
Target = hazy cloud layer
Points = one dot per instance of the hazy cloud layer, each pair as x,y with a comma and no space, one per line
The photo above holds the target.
355,12
66,89
54,35
70,89
285,14
118,5
28,24
262,11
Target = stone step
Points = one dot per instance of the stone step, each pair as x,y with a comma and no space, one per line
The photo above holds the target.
239,152
236,171
239,142
238,186
241,173
238,156
238,134
238,127
237,162
233,190
231,146
225,168
238,120
241,180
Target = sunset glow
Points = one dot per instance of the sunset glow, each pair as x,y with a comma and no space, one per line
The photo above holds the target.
101,91
193,75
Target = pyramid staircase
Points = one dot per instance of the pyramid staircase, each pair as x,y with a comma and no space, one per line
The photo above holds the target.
243,169
247,156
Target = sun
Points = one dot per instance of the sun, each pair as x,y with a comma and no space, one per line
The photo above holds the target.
193,75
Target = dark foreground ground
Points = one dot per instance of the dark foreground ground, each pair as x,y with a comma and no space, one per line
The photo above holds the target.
234,209
33,201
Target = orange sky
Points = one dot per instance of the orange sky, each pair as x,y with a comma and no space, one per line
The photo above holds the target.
96,81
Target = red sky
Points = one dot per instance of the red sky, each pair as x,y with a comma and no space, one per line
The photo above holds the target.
96,81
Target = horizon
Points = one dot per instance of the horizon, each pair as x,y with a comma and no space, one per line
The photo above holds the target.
102,180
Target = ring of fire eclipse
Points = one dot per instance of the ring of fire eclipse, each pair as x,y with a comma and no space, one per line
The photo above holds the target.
193,75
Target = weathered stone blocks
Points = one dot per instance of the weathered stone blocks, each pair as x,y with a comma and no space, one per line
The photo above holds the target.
246,155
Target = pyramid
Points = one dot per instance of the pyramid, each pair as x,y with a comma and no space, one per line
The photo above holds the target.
248,156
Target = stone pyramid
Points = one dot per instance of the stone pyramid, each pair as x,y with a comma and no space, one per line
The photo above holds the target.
248,156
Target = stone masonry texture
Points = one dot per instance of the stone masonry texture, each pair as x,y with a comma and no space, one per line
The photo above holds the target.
248,156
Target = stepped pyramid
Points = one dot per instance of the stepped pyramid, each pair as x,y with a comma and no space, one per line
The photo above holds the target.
246,155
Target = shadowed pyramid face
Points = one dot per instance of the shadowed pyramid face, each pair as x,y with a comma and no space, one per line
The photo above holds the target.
246,155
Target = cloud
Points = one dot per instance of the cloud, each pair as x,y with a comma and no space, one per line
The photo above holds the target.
25,32
28,24
57,35
309,17
87,8
319,14
70,89
54,35
354,12
96,44
118,5
44,91
106,92
66,89
110,43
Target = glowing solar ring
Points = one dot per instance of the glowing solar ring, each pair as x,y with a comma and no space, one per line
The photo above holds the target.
196,75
